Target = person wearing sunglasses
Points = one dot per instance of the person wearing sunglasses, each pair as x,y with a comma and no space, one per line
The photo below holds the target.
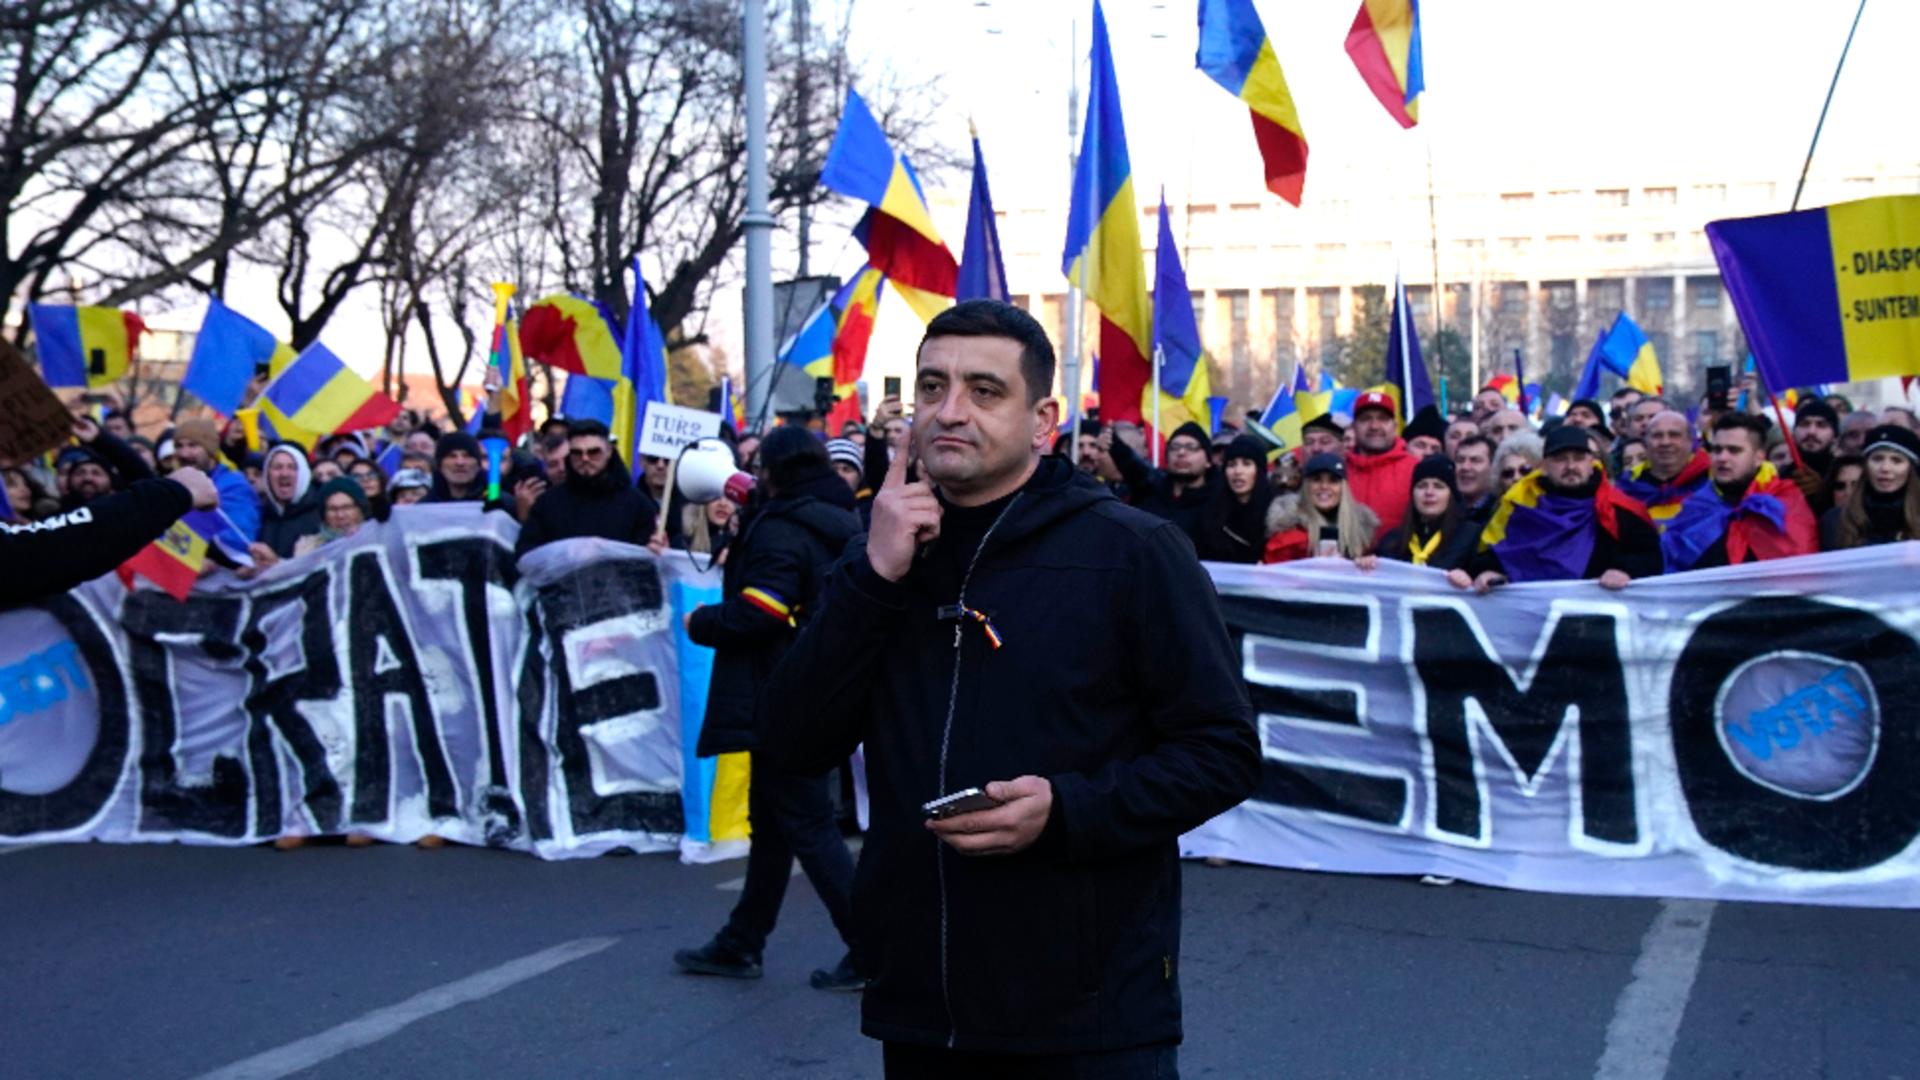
598,497
1517,456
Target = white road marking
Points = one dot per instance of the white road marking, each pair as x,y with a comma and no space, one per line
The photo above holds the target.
15,849
382,1023
1646,1019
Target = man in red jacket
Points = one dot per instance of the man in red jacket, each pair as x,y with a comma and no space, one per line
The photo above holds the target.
1380,469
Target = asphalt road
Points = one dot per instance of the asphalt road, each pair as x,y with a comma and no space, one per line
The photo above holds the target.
390,961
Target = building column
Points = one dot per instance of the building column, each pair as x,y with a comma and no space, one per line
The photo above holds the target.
1343,320
1535,297
1581,294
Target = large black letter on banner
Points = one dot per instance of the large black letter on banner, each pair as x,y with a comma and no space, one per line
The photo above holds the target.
1303,785
1580,668
276,701
77,803
1865,826
167,806
587,595
374,618
476,564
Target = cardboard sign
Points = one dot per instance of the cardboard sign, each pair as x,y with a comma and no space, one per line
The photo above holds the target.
32,419
667,428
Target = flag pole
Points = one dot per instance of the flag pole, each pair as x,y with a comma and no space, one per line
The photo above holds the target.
1077,288
1159,357
1822,122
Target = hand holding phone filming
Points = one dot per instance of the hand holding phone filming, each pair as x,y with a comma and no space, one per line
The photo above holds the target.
965,801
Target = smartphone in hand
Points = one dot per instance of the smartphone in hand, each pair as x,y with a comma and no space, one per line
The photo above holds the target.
965,801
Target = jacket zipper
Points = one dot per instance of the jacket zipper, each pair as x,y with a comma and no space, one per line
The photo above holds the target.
946,734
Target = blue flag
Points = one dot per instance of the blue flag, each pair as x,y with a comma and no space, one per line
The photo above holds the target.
644,348
226,352
1176,338
1406,368
1588,387
587,398
982,275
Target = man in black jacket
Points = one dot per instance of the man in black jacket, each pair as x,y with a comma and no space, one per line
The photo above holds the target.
1181,491
1009,625
772,586
596,499
82,543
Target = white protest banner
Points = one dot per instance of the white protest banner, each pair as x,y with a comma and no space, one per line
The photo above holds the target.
667,428
1741,733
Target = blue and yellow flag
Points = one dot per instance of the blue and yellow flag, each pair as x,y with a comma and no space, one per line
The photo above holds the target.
1828,295
85,346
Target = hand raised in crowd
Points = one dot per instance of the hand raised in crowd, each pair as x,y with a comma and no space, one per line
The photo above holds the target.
904,517
1025,804
205,495
263,559
888,409
1614,579
525,494
86,429
657,543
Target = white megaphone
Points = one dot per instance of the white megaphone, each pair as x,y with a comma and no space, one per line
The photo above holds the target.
705,472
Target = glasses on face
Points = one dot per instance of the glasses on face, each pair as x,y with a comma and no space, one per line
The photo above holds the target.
590,454
1512,474
1182,448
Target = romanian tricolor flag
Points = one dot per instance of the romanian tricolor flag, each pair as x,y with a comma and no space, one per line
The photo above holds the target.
572,334
1664,500
1103,251
1771,520
1236,53
506,357
1543,536
1384,42
1184,381
833,342
317,392
174,561
85,346
898,232
1829,295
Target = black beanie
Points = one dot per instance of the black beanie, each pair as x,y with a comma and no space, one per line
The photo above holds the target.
1426,422
456,440
1193,431
1815,408
1249,448
1434,467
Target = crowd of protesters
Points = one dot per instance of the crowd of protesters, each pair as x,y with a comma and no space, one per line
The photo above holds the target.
1636,487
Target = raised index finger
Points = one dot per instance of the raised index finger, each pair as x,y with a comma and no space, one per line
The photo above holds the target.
896,469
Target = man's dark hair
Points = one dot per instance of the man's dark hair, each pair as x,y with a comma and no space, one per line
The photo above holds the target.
1752,425
995,318
1478,440
588,427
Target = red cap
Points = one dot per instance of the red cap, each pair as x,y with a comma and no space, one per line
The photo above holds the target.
1374,400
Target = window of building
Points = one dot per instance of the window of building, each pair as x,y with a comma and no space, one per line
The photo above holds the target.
1514,245
1711,193
1053,309
1563,197
1516,199
1279,303
1238,309
1329,251
1657,196
1706,346
1705,292
1610,197
1420,302
1560,295
1663,238
1611,238
1656,294
1199,301
1562,241
1560,354
1465,246
1513,298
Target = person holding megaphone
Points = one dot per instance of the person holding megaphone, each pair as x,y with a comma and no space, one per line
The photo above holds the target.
798,523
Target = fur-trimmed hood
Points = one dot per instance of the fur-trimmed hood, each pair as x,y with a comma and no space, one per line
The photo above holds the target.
1285,513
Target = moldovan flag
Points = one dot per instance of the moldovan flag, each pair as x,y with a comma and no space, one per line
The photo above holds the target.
1103,241
1384,43
572,334
1236,53
174,561
85,346
319,393
1829,295
898,232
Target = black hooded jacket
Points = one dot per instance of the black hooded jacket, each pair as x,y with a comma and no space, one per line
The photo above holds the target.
48,557
1151,490
1114,679
607,506
782,556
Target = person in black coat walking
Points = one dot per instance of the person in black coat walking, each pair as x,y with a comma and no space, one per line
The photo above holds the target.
596,499
771,588
1008,625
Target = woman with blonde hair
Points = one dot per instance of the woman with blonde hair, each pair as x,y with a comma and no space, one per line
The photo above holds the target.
1323,520
708,527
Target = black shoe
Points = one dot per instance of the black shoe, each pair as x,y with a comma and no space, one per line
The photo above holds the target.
843,977
714,958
